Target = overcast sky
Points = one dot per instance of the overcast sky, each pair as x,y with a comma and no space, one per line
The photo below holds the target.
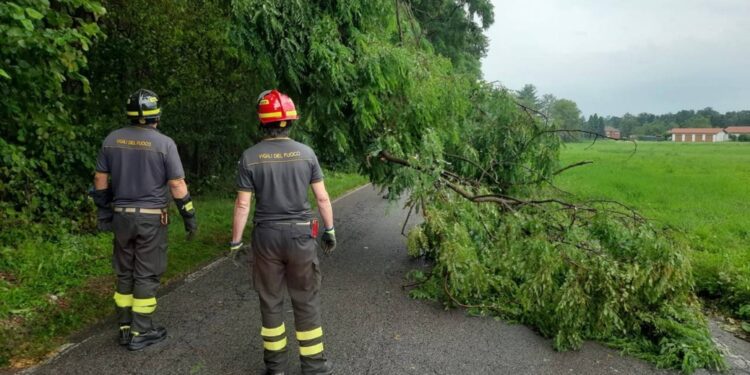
618,56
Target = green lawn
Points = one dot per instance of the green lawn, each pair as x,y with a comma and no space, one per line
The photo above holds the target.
702,190
50,289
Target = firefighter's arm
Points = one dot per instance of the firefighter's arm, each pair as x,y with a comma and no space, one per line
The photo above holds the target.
178,188
324,203
241,212
328,239
101,181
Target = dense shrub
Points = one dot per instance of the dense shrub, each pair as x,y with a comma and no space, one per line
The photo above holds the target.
43,146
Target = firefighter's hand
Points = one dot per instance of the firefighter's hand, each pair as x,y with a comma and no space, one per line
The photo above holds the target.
234,252
104,213
191,226
104,219
328,241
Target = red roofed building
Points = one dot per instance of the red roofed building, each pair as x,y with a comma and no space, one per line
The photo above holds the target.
738,130
612,132
699,135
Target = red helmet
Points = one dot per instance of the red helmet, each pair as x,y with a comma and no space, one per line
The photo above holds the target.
274,106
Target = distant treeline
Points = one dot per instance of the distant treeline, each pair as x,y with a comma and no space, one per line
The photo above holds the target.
659,125
564,113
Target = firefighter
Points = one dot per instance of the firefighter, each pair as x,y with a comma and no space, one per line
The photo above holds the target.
278,171
137,167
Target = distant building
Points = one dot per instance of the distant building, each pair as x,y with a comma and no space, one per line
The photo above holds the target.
611,132
699,135
737,131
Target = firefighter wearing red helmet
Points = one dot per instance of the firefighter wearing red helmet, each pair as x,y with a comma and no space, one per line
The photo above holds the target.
277,172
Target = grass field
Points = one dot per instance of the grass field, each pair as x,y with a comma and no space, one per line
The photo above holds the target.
702,190
49,289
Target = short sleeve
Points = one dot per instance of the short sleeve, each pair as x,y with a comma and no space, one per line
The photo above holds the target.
102,163
317,173
244,178
173,163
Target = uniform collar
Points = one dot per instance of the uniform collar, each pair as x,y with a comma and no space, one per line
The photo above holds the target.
144,127
277,139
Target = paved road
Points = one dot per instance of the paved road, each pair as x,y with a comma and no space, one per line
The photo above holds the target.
371,325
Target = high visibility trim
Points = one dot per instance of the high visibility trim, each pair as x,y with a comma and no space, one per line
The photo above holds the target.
275,346
123,300
311,350
309,335
274,114
144,305
273,332
189,206
269,114
150,112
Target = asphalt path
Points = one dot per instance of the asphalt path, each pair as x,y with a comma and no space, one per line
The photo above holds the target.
371,325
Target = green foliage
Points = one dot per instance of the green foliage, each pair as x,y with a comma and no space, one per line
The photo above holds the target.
451,27
571,276
566,115
182,50
574,273
44,146
528,96
358,87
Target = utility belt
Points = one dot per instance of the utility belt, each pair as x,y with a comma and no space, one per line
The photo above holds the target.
313,224
148,211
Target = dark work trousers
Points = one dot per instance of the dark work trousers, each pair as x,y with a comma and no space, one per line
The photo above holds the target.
139,260
284,256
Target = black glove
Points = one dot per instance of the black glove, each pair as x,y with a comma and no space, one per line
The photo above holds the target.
104,219
328,240
103,201
187,211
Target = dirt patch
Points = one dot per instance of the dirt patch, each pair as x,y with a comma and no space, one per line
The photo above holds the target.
8,277
13,322
101,286
22,363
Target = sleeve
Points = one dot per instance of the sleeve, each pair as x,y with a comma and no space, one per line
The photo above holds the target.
244,177
102,163
173,163
317,172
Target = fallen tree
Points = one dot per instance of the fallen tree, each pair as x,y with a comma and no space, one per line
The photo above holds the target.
504,242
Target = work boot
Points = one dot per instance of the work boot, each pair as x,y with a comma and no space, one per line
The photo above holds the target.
125,335
144,339
326,369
